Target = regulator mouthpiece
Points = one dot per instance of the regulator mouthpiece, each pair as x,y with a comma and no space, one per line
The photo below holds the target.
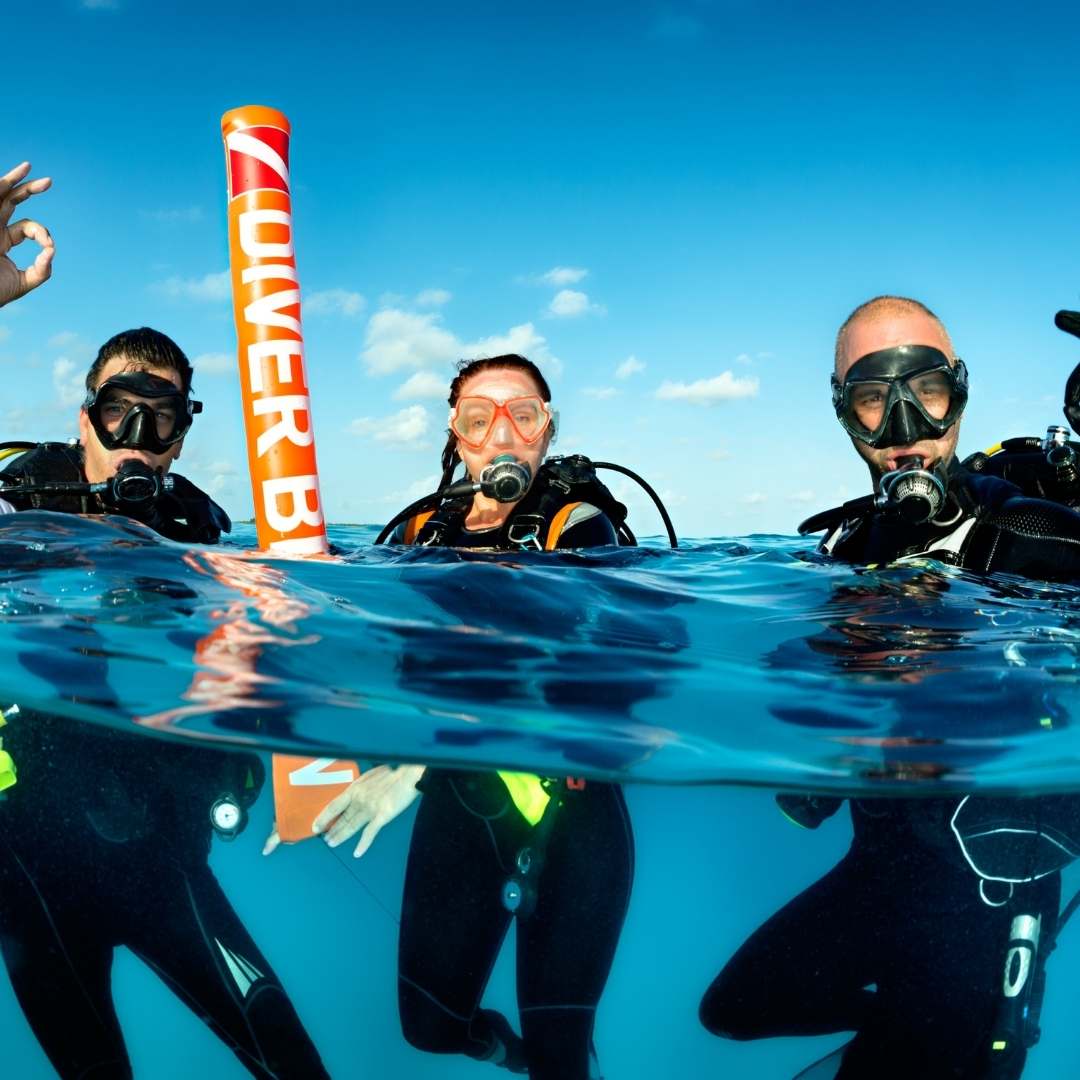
505,479
912,492
134,486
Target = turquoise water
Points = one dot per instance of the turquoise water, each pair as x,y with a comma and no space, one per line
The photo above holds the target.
692,676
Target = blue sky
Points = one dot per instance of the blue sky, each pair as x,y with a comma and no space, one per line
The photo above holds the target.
670,205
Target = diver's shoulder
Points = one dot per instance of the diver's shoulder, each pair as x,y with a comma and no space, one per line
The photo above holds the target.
586,525
1036,518
46,461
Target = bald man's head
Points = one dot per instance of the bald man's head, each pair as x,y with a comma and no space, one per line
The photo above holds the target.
885,321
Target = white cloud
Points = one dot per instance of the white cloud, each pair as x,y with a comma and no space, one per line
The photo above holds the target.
397,340
68,382
424,384
214,363
433,298
62,339
630,366
334,302
523,340
746,358
601,393
13,422
179,215
722,387
804,496
406,428
561,276
222,476
569,304
755,498
720,454
209,288
416,490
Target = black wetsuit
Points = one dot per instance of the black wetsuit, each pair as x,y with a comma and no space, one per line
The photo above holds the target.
895,942
104,841
465,843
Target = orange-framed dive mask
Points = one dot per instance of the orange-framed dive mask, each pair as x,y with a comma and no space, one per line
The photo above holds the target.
473,418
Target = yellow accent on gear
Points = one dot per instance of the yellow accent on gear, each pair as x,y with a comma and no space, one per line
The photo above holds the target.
528,794
999,1044
11,451
7,771
415,524
558,523
993,450
788,817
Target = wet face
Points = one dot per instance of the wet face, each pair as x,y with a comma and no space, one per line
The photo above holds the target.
100,463
873,334
502,384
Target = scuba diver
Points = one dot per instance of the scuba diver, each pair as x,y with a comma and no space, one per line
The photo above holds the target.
556,853
929,938
105,836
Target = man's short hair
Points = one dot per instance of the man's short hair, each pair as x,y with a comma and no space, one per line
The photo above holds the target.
884,307
145,348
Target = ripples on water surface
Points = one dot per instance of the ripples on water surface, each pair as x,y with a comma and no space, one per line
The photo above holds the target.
743,661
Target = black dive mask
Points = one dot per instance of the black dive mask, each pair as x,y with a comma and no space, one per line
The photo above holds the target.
139,411
898,396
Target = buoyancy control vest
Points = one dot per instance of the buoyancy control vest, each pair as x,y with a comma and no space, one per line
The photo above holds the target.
184,513
987,524
562,484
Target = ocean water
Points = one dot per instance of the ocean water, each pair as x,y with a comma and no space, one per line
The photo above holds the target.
702,679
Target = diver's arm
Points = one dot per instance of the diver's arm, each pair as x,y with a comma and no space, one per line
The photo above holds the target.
13,281
371,801
587,527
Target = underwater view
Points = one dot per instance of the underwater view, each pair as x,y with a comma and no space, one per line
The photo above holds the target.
703,680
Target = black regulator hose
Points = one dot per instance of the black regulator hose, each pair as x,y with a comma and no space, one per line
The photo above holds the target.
428,502
672,538
464,488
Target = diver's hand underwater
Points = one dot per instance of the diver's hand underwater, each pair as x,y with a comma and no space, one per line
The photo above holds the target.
371,801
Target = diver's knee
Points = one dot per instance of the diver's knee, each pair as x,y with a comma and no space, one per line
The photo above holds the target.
426,1025
723,1014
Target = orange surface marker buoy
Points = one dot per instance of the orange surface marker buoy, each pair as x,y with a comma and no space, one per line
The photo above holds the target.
302,787
266,302
277,405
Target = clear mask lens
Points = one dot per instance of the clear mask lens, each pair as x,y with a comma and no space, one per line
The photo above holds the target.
474,418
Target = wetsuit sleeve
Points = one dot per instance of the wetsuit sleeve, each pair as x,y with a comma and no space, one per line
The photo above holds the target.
1032,537
587,527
